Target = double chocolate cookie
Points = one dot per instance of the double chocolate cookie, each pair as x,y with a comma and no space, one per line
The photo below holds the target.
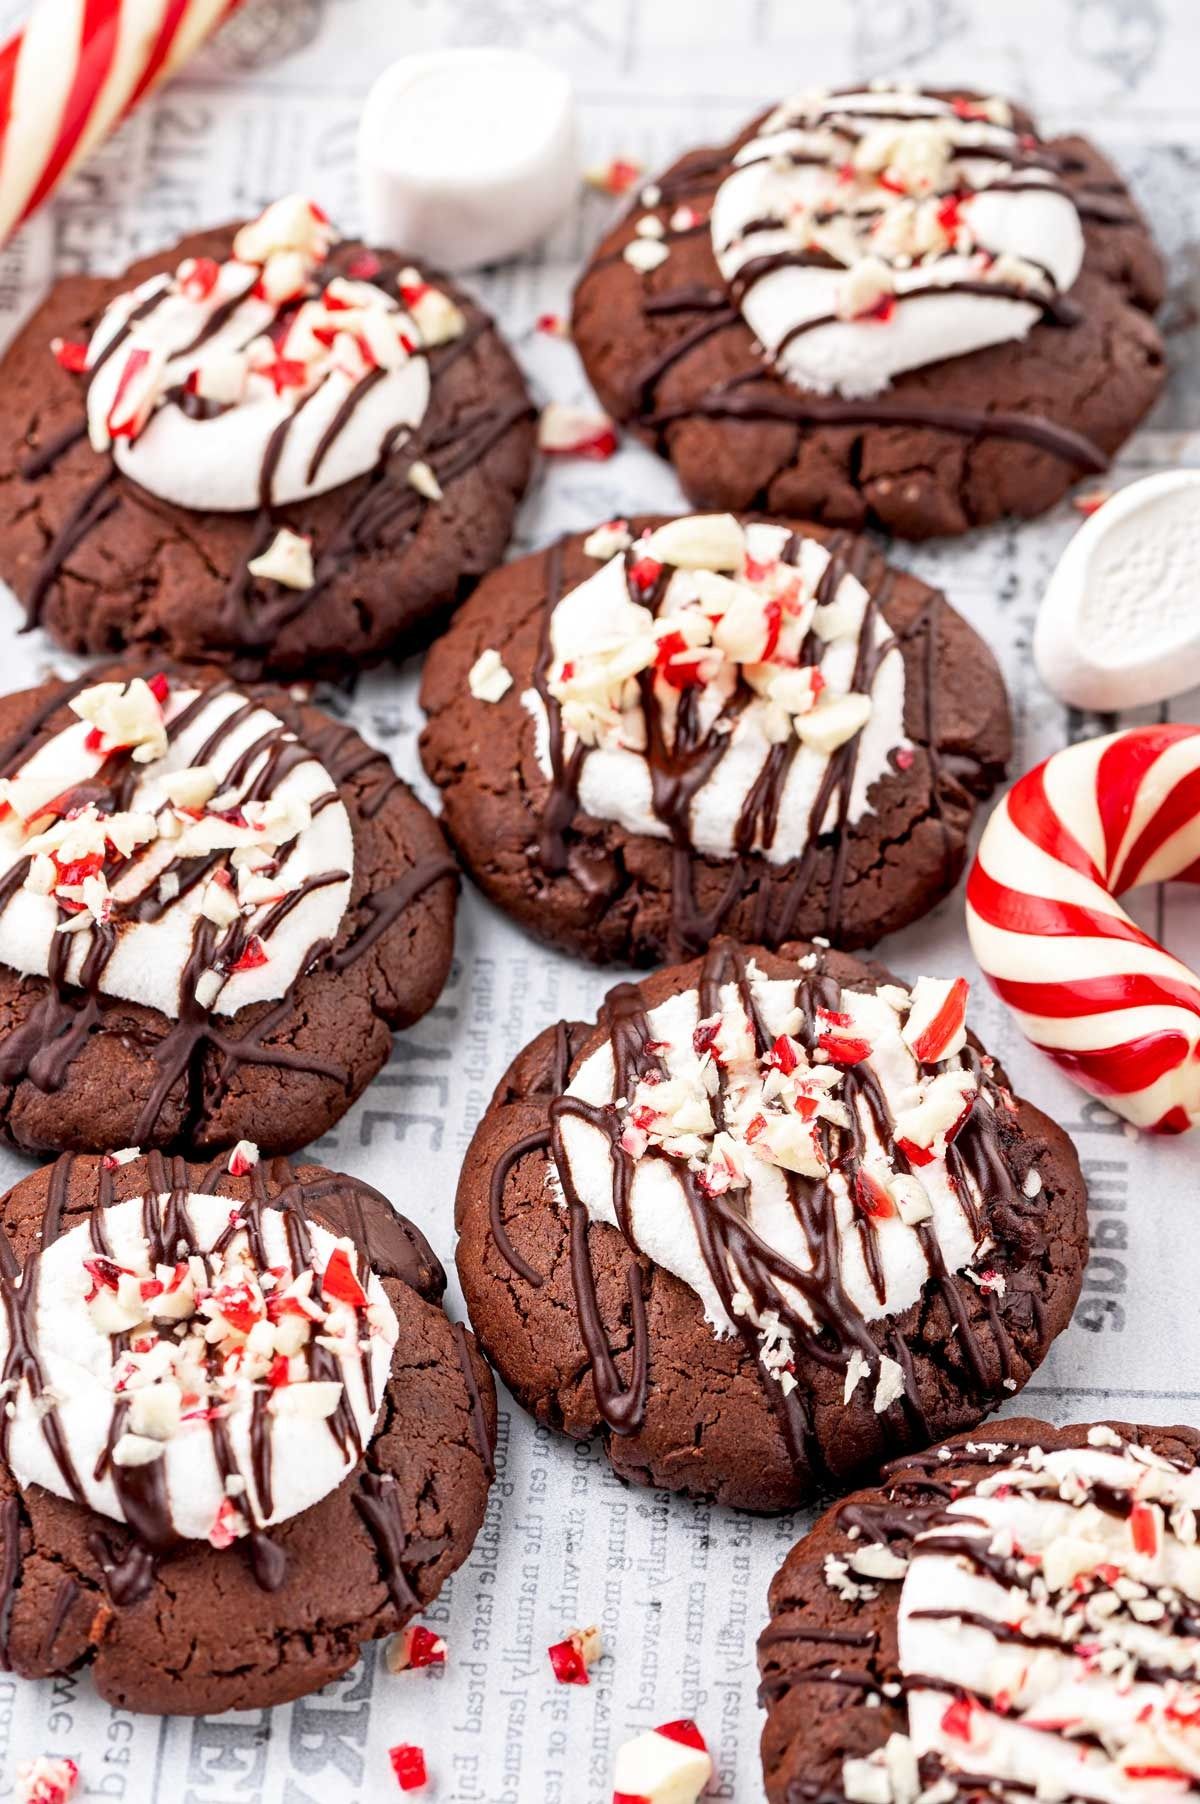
880,306
216,905
218,1377
773,1220
265,446
1009,1616
664,730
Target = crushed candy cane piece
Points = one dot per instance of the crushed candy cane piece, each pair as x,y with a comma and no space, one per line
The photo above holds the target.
488,678
408,1764
288,561
565,431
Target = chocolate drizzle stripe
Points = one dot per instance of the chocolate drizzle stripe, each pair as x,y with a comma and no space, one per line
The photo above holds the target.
830,1326
201,1050
384,512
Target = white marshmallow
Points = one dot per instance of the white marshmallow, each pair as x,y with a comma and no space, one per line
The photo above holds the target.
1118,627
467,156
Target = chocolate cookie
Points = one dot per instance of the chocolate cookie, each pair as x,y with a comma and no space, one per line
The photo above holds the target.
882,306
241,1436
757,728
769,1223
264,446
216,906
1011,1615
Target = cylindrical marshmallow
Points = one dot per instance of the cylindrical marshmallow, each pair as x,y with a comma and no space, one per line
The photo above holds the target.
1118,626
467,157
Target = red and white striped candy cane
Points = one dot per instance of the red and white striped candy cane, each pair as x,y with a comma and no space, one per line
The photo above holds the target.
1087,985
70,76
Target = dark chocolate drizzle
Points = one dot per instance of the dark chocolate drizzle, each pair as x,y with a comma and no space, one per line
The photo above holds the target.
200,1051
680,769
383,513
738,1260
129,1556
756,395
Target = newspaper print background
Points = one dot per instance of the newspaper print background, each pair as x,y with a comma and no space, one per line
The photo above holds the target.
678,1589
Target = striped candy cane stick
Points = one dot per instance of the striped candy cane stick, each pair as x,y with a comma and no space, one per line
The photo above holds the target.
73,73
1087,985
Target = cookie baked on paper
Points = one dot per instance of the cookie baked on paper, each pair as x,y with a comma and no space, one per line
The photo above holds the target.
663,730
880,306
772,1221
220,1377
1011,1614
216,905
266,446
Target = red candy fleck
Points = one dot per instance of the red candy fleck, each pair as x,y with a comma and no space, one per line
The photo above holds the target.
905,758
949,214
340,1282
569,1665
252,957
159,687
618,176
685,1732
277,1373
69,355
1143,1526
126,428
706,1035
871,1197
408,1764
364,266
201,277
945,1024
644,572
630,1797
774,614
284,372
239,1305
844,1050
1087,505
152,1287
783,1055
806,1107
883,309
104,1273
78,869
424,1648
678,663
756,572
956,1719
221,1534
916,1155
553,325
755,1128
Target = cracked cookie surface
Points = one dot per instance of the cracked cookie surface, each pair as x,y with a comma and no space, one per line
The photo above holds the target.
1003,429
596,1337
88,1070
617,895
106,566
206,1636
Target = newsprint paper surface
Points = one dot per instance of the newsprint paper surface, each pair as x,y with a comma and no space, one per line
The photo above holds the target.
678,1589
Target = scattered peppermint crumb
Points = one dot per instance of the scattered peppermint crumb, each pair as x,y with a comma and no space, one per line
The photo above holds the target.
645,254
422,478
50,1779
890,1386
488,678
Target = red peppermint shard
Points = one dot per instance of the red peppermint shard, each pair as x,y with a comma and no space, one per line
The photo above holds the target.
69,355
616,177
684,1731
956,1719
254,955
569,1665
408,1764
423,1647
340,1283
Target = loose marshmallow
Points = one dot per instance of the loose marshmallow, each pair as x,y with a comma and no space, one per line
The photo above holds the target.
467,156
1117,626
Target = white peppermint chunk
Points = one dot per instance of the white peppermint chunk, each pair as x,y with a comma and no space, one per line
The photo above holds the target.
489,678
287,560
661,1770
699,542
832,723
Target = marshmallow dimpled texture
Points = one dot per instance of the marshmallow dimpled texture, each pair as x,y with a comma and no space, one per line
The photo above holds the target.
1088,986
467,156
80,1362
1118,625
